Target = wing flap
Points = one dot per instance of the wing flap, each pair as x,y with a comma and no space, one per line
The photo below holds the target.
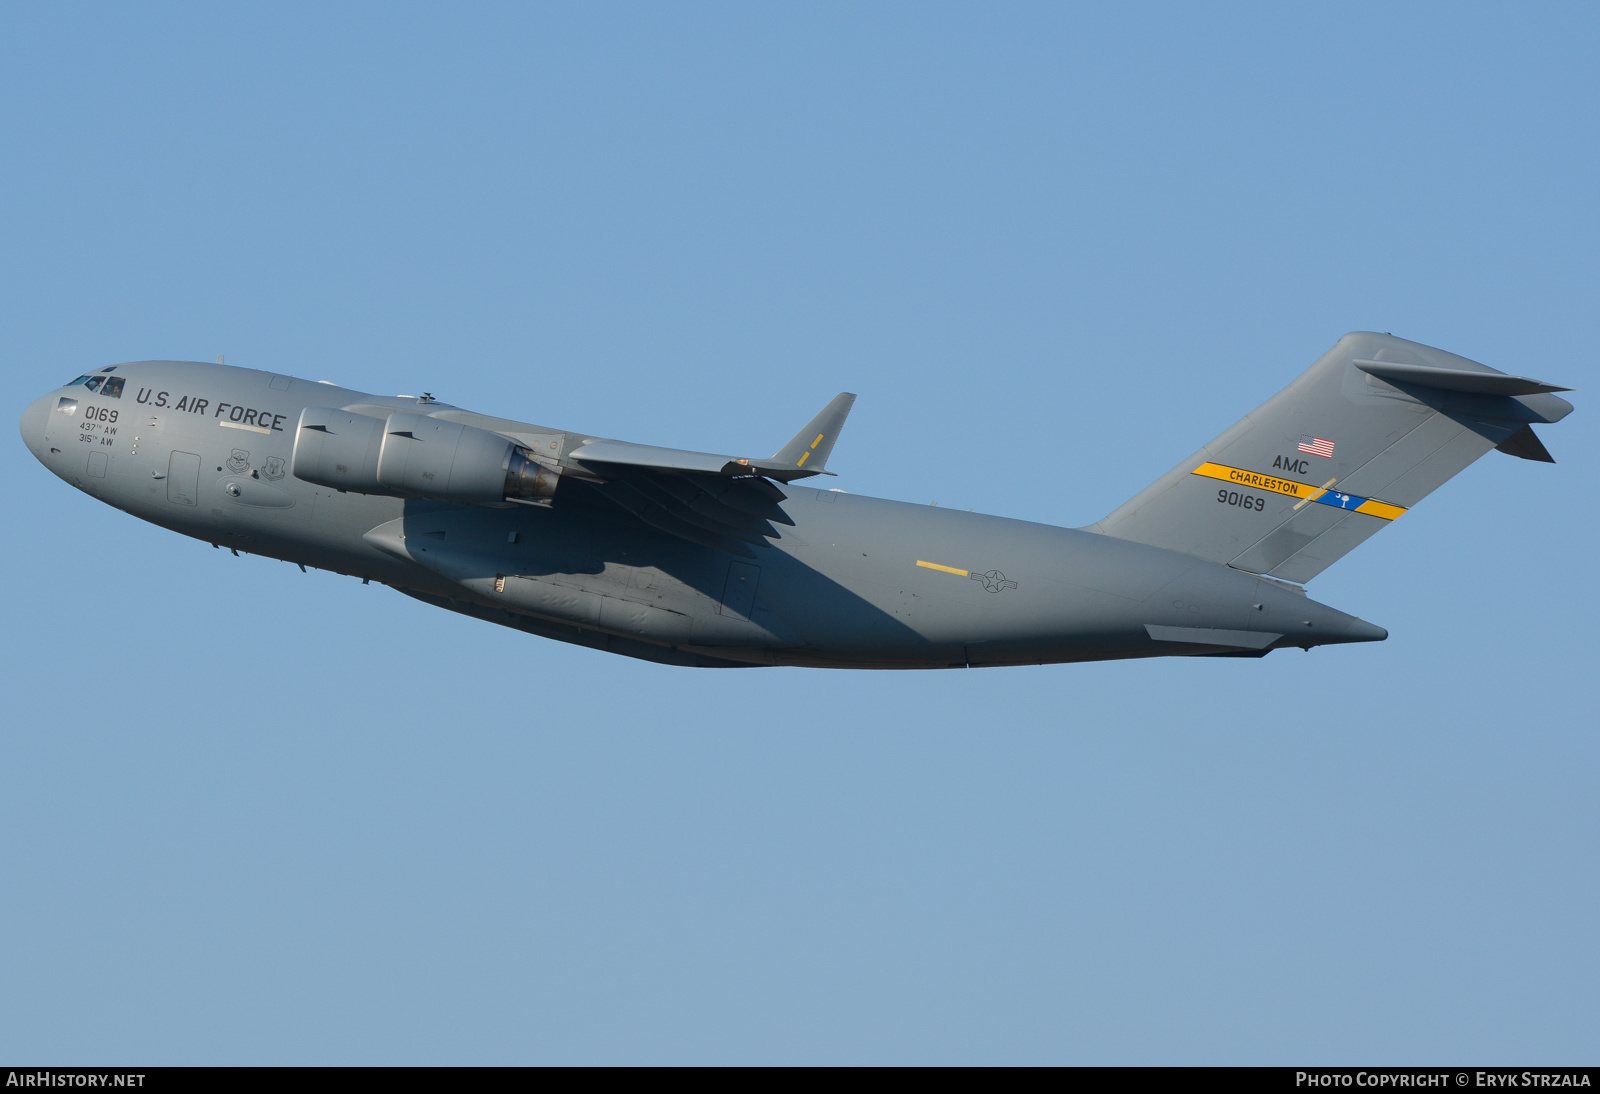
754,497
686,504
660,517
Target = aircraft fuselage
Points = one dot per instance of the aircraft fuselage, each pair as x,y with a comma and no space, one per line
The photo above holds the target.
206,450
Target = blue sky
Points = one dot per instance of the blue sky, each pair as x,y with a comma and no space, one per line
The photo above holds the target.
257,816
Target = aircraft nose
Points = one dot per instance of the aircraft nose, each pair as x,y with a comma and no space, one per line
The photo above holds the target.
33,424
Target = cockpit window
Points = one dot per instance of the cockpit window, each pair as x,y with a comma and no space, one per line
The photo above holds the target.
92,380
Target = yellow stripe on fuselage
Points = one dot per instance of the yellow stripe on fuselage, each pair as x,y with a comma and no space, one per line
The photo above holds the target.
1259,481
943,569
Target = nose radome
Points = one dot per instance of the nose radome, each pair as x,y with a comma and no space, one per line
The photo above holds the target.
33,423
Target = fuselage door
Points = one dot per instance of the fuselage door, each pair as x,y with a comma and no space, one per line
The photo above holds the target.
183,478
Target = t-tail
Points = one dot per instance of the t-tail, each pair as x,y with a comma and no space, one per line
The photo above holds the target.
1375,426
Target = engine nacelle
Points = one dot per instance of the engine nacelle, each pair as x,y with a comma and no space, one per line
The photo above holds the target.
413,454
339,449
448,461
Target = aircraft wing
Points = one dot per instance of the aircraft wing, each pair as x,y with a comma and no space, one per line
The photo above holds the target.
726,502
609,454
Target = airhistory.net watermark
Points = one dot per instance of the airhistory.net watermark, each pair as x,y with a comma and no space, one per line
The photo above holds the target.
36,1077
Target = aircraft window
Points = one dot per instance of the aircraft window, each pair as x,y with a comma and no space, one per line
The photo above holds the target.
68,407
113,368
78,381
113,386
94,382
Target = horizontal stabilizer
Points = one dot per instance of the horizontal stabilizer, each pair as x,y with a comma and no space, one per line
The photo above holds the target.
1473,382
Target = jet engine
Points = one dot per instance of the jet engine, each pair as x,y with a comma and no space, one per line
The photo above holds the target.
416,455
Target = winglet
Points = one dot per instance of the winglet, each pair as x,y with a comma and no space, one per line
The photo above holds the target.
807,453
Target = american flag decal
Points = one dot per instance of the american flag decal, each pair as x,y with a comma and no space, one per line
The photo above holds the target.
1317,446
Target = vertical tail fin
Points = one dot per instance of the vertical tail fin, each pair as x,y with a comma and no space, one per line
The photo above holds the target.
1372,428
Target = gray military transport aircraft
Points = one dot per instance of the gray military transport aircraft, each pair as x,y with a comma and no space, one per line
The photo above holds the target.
690,558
